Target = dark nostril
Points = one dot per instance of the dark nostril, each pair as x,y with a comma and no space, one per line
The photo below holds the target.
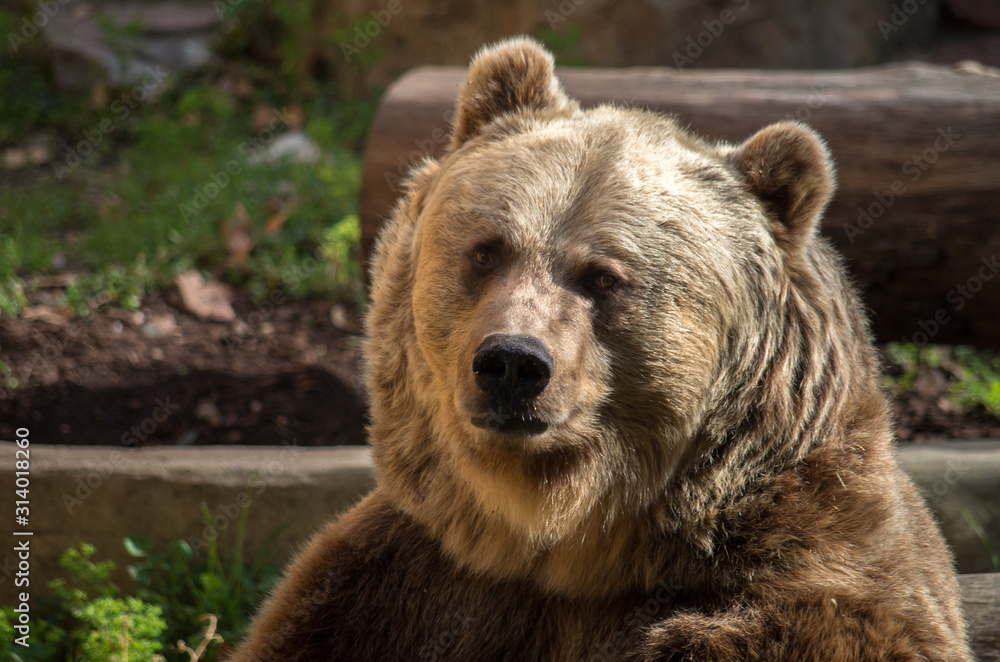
490,369
518,366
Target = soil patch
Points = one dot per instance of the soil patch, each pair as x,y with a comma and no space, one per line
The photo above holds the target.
162,376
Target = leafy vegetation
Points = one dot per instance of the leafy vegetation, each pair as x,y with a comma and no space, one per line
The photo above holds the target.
980,380
90,623
973,374
910,358
187,589
135,191
178,600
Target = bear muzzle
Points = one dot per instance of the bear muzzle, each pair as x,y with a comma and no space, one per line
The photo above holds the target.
511,371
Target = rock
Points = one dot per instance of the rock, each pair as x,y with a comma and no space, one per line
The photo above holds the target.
208,411
341,318
171,36
160,326
294,146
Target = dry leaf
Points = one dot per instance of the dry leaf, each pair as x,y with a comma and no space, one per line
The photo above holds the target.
236,232
211,301
274,223
44,314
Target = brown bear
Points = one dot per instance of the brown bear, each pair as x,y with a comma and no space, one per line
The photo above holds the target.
625,405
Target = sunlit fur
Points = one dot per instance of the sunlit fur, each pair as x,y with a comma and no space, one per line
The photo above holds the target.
714,421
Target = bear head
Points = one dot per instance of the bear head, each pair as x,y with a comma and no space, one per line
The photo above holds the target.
588,327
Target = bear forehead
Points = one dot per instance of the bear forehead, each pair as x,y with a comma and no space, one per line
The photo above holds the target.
609,148
608,173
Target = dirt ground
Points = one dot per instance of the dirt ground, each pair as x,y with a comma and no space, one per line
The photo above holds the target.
286,375
162,376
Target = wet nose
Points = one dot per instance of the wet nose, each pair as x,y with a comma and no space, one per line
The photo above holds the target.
512,366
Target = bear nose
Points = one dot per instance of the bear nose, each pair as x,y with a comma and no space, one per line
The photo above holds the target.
511,365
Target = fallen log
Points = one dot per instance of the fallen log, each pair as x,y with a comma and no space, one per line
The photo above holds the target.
981,601
917,147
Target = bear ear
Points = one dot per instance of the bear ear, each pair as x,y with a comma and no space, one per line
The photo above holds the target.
511,75
788,167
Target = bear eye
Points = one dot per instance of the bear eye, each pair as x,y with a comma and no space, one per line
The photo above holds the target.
483,258
605,282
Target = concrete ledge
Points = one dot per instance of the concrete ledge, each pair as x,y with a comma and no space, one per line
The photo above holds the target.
961,482
101,494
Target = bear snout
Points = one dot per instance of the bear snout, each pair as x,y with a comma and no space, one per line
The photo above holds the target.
512,367
512,370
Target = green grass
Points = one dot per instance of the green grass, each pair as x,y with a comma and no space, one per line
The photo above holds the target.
974,374
160,183
980,380
132,211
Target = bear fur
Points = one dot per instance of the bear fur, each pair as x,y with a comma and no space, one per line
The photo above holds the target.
696,465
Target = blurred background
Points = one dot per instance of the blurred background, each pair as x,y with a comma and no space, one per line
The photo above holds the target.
180,261
179,186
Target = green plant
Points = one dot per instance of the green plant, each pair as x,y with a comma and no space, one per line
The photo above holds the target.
341,248
105,627
119,629
978,379
178,599
12,297
910,358
564,43
47,642
189,590
95,216
984,537
90,623
88,580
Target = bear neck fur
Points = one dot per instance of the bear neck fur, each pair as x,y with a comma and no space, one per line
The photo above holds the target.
784,432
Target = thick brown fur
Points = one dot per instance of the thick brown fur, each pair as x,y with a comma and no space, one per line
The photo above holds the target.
715,480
